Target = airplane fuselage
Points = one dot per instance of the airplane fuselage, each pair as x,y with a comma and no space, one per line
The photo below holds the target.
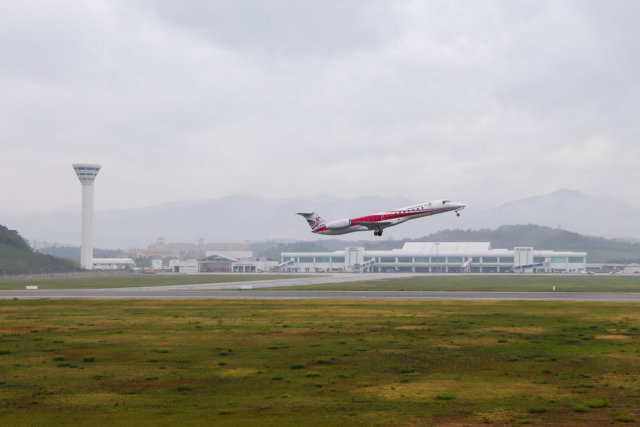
380,221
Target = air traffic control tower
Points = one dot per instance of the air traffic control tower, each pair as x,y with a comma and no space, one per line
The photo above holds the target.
87,174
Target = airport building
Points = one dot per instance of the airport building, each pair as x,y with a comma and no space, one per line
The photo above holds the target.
437,257
223,264
113,263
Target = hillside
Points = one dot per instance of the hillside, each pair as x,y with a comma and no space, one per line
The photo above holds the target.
17,257
73,252
599,249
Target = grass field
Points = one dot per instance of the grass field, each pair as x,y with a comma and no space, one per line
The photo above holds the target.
134,280
495,283
317,363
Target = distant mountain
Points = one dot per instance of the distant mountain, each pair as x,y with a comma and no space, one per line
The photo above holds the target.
239,217
17,257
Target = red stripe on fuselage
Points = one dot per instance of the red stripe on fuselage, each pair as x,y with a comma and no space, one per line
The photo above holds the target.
392,215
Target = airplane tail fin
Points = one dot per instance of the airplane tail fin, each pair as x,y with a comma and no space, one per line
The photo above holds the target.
313,219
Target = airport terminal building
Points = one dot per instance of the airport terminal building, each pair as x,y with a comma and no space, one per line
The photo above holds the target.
437,257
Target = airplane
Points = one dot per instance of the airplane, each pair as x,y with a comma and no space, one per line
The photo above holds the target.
378,222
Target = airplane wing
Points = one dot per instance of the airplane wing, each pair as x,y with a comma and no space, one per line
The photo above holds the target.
372,225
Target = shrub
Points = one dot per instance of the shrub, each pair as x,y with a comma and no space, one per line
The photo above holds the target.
64,364
342,342
286,396
623,416
34,331
445,396
224,411
224,353
59,358
578,390
98,376
58,342
524,422
312,374
576,361
222,363
579,408
320,385
407,371
539,381
597,403
88,359
276,378
181,360
274,347
270,396
546,371
537,409
5,351
51,349
152,378
514,359
323,360
163,351
153,360
184,387
364,384
502,340
405,380
297,366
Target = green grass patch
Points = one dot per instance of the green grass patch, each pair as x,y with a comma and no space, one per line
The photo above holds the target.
597,403
445,396
410,358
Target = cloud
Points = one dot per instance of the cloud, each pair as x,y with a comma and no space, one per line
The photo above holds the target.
470,101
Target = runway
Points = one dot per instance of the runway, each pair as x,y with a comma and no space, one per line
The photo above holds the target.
249,290
155,293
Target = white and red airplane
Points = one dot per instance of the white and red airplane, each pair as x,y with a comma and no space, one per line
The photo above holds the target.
380,221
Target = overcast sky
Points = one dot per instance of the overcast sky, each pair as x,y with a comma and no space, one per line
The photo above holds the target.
480,102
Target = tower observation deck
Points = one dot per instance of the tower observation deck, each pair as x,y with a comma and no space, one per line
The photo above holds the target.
87,173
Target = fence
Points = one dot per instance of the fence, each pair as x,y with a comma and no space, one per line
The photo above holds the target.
67,274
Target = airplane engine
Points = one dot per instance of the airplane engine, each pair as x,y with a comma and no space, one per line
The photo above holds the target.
341,223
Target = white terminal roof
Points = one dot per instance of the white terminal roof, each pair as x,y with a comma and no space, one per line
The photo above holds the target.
445,247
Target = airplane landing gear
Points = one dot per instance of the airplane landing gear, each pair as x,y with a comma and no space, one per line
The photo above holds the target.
457,214
377,233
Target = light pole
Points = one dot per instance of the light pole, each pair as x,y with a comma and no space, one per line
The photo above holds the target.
438,256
